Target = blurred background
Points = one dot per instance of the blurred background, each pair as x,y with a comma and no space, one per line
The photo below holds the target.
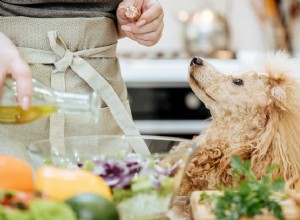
226,32
253,25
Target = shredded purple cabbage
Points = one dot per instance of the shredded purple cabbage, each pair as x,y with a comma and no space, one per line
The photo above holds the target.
118,174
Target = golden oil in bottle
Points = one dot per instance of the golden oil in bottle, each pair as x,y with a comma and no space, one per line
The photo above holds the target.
16,115
45,101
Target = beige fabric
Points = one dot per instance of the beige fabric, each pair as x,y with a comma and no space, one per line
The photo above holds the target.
87,45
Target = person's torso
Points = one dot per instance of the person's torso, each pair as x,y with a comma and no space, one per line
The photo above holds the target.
59,8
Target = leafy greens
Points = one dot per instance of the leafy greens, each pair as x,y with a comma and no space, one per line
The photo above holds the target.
249,196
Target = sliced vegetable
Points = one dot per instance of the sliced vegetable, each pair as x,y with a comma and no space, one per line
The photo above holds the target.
61,184
15,174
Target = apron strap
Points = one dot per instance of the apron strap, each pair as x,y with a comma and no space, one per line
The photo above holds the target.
62,58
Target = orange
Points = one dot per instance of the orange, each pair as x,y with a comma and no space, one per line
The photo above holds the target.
61,184
15,174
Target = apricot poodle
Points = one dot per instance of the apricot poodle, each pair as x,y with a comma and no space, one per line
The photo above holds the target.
255,115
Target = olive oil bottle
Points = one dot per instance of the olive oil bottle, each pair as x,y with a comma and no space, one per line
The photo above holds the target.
45,101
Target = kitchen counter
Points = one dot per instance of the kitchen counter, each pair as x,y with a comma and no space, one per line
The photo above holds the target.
174,127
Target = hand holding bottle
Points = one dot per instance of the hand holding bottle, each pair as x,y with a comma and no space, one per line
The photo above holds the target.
11,63
45,101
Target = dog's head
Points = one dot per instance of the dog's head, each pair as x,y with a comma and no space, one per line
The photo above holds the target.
266,88
268,94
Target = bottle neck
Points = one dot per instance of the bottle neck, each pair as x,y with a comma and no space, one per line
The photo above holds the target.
75,103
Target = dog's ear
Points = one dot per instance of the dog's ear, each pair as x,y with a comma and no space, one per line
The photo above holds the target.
278,71
281,90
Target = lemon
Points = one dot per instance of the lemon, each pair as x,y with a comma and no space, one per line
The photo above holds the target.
89,206
61,184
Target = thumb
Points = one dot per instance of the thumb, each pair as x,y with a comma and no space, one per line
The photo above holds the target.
121,13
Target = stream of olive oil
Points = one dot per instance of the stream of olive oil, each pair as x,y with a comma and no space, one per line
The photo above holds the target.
16,115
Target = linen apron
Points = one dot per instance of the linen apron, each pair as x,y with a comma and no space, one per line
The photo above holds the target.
73,55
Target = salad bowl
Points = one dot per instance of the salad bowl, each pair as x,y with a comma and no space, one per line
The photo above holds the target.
143,172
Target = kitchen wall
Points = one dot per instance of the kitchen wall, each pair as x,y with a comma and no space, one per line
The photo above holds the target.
246,30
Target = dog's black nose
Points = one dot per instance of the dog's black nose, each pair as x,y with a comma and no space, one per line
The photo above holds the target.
196,61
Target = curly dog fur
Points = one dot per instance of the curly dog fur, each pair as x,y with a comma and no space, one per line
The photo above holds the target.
255,115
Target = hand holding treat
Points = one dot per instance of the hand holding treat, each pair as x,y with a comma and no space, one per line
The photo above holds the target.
141,21
133,13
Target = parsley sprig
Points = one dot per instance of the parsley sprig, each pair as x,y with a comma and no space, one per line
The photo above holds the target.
249,196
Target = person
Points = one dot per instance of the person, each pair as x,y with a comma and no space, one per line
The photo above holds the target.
70,45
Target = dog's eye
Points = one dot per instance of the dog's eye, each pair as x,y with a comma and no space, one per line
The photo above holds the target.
238,82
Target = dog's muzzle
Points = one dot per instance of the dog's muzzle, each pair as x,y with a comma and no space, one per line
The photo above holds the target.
196,61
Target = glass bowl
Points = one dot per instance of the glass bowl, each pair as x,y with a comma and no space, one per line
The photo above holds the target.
144,172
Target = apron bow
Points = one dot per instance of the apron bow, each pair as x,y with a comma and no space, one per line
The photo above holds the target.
62,58
64,62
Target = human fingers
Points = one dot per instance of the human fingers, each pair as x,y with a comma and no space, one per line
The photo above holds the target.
154,26
149,34
2,78
152,10
20,71
130,35
11,63
153,16
148,43
121,17
151,38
